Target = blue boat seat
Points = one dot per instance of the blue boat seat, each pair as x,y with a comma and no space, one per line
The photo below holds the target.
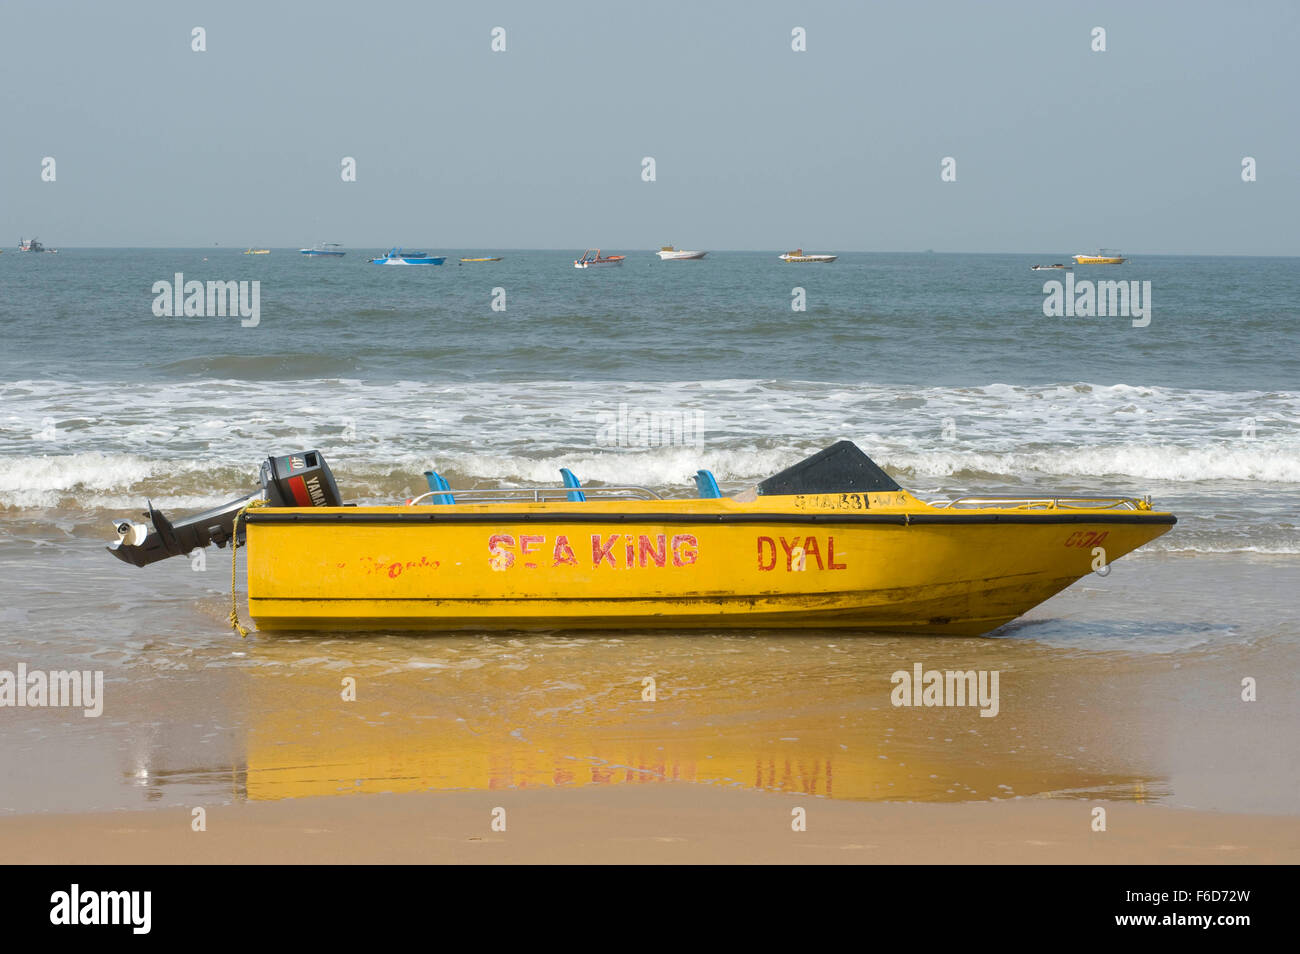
707,486
438,482
575,495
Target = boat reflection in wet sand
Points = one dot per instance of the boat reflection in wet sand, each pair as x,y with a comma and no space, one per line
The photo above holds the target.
453,722
832,541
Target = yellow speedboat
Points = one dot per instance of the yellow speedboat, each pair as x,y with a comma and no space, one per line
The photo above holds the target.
257,251
1104,256
831,542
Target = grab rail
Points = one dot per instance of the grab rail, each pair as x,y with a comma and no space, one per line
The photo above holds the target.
1054,502
537,494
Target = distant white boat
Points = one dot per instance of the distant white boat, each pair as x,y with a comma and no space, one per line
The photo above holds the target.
324,250
670,254
798,255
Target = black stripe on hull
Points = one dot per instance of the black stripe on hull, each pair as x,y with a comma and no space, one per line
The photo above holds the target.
897,519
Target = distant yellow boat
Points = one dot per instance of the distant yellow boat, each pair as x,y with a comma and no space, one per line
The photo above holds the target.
480,259
257,251
1102,257
831,542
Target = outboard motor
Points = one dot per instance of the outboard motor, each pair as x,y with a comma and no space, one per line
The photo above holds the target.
294,480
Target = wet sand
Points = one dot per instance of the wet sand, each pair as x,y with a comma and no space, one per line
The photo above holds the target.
673,823
1106,698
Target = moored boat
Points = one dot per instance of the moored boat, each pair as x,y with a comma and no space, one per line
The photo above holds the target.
397,256
1105,256
592,258
798,255
33,245
257,251
324,250
481,259
832,541
669,254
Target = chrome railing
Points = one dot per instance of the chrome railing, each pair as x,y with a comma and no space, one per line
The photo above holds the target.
1053,502
536,494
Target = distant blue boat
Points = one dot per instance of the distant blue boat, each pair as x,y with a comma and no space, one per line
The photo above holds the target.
397,256
327,250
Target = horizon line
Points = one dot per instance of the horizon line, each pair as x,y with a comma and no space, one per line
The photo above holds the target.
616,248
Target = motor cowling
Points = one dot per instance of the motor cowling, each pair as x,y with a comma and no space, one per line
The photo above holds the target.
293,480
299,480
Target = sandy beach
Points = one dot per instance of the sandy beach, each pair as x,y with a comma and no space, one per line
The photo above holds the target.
662,824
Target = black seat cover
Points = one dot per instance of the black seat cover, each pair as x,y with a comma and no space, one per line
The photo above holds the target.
840,468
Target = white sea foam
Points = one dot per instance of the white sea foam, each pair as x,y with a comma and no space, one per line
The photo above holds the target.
92,479
1210,547
98,442
1243,460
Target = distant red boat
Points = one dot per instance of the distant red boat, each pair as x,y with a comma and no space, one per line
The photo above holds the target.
33,245
592,257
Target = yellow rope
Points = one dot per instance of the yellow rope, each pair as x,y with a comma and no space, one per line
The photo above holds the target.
234,550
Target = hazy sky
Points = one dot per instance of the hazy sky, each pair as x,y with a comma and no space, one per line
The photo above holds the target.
1058,148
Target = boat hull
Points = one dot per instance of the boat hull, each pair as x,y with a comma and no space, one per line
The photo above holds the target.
1099,260
680,256
408,261
780,562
